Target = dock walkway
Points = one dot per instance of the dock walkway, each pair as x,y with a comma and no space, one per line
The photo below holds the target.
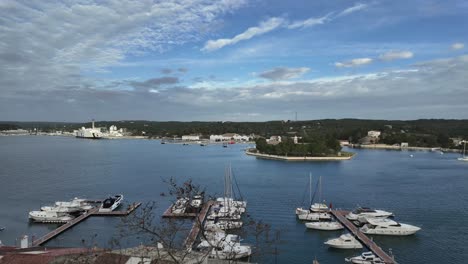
197,224
340,216
81,218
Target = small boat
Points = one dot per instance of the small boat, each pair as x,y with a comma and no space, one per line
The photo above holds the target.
388,227
365,258
2,228
111,203
49,217
367,212
197,201
180,205
326,226
314,216
346,241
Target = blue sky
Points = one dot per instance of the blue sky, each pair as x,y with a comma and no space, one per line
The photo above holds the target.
235,60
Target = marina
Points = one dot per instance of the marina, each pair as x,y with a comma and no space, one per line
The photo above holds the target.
273,190
70,224
369,243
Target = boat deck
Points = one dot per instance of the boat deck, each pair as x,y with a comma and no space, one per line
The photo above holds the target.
340,216
81,218
197,224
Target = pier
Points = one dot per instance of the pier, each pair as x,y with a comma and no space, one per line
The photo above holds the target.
340,216
81,218
197,224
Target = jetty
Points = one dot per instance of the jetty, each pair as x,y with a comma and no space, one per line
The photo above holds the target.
197,224
81,218
340,216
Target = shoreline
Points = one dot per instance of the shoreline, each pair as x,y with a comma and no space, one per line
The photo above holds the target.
285,158
390,147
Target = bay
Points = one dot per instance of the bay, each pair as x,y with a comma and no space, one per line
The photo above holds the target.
428,190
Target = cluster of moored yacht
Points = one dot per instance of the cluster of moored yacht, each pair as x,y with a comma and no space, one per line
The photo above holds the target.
368,221
225,215
62,212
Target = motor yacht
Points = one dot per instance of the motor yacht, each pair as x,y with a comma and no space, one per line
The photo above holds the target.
180,205
50,216
346,241
224,246
111,203
327,226
314,216
388,227
365,258
223,225
367,212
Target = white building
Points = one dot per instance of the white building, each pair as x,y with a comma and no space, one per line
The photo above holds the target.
191,137
114,132
373,133
229,137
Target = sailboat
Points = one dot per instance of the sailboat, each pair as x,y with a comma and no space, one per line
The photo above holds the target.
464,158
227,208
317,210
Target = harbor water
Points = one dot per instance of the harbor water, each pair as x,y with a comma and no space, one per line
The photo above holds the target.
429,190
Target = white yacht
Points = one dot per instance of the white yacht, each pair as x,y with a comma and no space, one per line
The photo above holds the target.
111,203
346,241
314,216
74,206
231,251
388,227
222,224
327,226
319,207
365,258
225,246
50,216
91,133
367,212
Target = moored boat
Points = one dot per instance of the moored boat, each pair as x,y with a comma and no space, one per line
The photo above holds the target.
50,216
367,212
346,241
365,258
388,227
111,203
326,226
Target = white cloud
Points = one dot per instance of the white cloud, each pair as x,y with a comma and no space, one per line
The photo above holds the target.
282,73
353,62
309,22
274,23
355,8
457,46
395,55
264,27
47,45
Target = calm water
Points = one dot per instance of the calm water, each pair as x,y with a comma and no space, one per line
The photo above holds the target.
429,190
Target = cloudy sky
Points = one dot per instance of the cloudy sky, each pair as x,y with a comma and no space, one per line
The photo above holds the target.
238,60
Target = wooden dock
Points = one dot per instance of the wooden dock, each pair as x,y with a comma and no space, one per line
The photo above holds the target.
81,218
169,214
340,216
197,224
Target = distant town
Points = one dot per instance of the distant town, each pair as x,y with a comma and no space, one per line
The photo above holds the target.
385,134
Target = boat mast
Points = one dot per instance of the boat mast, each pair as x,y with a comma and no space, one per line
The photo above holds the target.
310,187
320,190
464,148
